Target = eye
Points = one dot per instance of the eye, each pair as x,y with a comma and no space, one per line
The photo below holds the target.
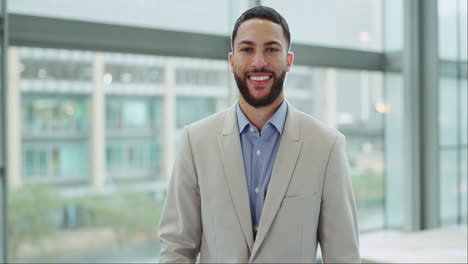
272,50
246,49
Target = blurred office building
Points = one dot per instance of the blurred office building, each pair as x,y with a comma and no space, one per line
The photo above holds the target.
96,94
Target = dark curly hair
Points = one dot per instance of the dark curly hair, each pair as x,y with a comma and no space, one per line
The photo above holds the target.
262,12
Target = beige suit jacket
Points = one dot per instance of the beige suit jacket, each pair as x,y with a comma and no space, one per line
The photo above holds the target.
309,198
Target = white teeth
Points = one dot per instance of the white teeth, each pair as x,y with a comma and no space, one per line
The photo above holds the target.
259,78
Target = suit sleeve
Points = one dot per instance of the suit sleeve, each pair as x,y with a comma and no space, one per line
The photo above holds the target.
180,226
338,232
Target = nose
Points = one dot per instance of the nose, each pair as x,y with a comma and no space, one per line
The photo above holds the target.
259,61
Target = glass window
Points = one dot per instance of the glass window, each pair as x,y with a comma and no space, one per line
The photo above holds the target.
452,15
56,119
112,220
449,110
352,24
182,15
45,115
449,187
135,114
463,111
190,109
395,168
65,120
44,162
133,69
463,186
133,132
38,64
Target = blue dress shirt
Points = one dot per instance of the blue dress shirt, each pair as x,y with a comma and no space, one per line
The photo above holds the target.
259,150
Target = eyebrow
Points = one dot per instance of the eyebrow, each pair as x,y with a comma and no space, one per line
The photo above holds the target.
269,43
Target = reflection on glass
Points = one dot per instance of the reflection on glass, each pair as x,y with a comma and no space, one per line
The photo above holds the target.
463,112
449,187
351,24
42,115
394,147
346,100
89,223
133,139
190,110
74,221
452,19
448,97
184,15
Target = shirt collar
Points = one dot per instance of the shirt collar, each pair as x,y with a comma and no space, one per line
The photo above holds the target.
277,120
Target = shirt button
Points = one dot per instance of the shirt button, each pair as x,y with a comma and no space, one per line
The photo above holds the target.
251,129
257,190
258,152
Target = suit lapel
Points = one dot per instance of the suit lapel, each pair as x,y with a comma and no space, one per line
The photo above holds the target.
285,162
231,154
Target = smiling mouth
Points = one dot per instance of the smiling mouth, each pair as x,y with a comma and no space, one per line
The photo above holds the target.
260,78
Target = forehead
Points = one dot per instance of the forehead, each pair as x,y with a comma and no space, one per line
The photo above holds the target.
260,31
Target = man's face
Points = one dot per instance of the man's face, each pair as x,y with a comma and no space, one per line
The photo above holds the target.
259,61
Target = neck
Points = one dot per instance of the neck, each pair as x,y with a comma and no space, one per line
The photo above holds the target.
258,116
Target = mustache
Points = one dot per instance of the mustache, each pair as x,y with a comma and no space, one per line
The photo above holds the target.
262,70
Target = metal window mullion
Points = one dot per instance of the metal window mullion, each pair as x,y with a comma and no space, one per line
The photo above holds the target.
459,104
429,114
411,103
3,180
421,78
27,30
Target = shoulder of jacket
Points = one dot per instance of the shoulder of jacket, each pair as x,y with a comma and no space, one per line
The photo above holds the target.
213,123
311,126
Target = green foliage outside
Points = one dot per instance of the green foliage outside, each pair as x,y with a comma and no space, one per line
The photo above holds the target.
128,213
368,188
32,209
29,216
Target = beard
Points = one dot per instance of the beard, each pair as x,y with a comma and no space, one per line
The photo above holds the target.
268,99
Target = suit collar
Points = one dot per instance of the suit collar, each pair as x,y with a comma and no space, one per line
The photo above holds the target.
285,163
291,124
231,153
277,120
234,170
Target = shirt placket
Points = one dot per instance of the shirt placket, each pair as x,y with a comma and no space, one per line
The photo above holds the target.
259,161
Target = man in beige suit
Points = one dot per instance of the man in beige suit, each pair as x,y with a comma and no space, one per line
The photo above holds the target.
260,182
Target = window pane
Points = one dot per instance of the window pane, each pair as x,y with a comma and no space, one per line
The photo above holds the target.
449,187
448,105
351,24
463,186
184,15
111,223
463,111
190,110
452,15
393,25
394,146
452,29
351,101
57,116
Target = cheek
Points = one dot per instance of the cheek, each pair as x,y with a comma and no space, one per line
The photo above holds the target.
238,69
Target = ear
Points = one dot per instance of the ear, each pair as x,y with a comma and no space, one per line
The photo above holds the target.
289,61
231,60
